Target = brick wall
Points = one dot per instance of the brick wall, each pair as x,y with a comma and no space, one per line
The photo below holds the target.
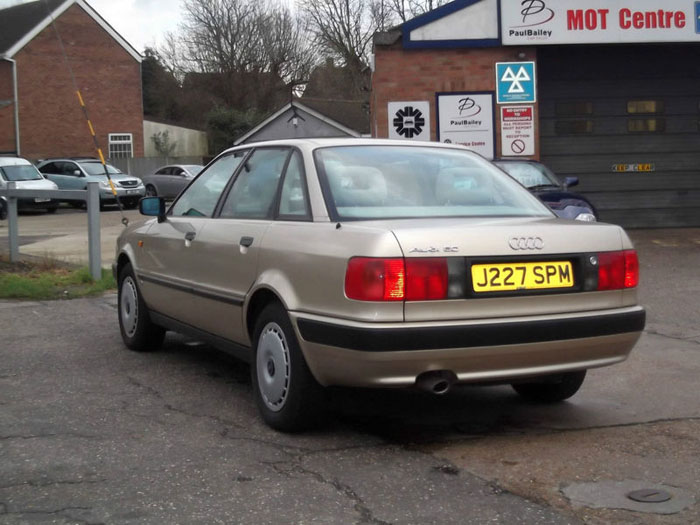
413,75
51,121
7,113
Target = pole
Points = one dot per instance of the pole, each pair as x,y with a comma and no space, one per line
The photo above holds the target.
12,230
94,241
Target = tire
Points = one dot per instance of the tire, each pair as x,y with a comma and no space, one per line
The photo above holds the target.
551,389
287,395
151,191
130,204
138,332
78,204
3,210
52,210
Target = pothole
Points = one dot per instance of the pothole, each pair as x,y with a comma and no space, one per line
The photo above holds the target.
634,495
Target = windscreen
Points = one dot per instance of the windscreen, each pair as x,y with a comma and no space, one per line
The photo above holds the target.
381,182
529,174
95,168
20,172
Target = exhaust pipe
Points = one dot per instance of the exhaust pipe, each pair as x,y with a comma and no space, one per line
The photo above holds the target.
437,382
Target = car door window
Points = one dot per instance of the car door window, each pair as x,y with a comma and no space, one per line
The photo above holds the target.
255,188
200,198
69,168
293,201
162,171
178,171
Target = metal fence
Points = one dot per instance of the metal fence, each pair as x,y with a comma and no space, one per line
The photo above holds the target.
138,167
92,198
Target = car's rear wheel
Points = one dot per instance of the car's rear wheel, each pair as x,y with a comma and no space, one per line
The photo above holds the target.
138,331
553,388
288,396
151,191
52,209
3,210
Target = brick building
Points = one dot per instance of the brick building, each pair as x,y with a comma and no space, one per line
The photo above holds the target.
34,71
604,90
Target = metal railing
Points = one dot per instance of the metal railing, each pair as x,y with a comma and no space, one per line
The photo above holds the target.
91,196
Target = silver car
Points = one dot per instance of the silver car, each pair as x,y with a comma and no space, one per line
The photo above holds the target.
26,177
169,181
377,263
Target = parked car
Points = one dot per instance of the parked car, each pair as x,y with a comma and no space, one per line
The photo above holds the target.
26,177
543,183
376,263
169,181
71,174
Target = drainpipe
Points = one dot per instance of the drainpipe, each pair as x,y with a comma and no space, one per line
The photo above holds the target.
16,101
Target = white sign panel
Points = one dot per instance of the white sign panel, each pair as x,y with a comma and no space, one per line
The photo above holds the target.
517,131
598,21
409,120
467,119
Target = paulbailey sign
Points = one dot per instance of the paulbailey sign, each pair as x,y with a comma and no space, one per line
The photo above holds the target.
467,119
598,21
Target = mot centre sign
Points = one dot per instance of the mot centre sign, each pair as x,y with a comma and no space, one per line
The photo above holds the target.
538,22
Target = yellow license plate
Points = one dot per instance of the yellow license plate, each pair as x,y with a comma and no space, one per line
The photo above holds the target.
522,276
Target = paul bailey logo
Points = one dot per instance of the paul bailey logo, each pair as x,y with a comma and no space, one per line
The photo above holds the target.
534,13
468,107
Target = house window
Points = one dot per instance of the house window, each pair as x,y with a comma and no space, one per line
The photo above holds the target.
646,125
121,145
645,106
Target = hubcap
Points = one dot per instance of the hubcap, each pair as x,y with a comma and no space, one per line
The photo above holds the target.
129,306
272,366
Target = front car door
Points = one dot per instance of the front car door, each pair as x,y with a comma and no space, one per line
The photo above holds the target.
171,265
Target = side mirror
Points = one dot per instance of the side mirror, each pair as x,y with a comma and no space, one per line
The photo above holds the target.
77,173
571,181
153,207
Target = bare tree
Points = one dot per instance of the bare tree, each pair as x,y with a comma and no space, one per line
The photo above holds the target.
404,10
342,28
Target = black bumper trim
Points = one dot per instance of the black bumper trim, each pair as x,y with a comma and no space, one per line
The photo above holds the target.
192,290
398,339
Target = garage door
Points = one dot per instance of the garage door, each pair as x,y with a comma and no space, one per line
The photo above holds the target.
626,121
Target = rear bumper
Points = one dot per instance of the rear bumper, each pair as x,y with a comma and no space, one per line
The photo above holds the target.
363,354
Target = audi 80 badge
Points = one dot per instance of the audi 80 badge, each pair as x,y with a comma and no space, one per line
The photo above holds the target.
376,263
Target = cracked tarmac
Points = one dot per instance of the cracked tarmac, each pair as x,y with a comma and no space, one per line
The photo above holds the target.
92,433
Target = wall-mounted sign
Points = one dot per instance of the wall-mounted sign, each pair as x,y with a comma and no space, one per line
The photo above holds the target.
467,119
517,131
409,120
634,168
537,22
515,82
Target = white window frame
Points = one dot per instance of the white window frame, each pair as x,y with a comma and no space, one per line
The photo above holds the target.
120,140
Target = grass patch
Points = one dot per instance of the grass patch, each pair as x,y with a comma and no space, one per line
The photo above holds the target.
45,279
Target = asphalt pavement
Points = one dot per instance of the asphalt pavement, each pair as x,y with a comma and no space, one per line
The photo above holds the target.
93,433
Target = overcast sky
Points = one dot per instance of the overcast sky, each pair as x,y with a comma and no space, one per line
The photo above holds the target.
142,22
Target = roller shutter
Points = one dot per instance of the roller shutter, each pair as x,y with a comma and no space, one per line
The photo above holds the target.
606,111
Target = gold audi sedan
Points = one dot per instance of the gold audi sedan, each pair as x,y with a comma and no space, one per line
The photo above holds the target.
376,263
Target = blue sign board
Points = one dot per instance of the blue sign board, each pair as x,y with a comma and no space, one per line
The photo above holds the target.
515,83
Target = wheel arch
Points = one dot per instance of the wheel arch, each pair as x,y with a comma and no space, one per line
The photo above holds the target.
257,302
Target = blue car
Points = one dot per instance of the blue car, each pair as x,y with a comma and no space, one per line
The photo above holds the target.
544,184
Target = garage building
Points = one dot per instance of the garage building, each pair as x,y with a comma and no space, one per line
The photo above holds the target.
608,92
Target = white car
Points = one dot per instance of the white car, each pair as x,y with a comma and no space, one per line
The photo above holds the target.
26,177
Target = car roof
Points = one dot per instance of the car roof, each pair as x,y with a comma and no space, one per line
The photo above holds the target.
313,143
14,161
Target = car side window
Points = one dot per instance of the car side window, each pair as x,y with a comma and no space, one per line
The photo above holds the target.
253,193
162,171
69,168
49,168
200,198
177,171
293,202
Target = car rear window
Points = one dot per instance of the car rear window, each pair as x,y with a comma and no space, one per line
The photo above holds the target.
378,182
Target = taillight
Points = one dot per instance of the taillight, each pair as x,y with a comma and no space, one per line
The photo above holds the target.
426,279
415,279
369,279
617,270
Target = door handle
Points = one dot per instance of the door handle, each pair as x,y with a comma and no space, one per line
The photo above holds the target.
189,236
246,242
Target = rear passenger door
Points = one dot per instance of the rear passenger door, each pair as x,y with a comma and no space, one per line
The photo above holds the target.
230,243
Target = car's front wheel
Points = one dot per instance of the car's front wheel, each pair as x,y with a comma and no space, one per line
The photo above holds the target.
288,396
151,191
551,389
138,331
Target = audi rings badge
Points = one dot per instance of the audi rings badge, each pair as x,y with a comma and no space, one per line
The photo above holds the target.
526,243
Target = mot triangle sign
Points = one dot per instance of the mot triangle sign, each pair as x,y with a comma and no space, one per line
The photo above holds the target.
515,82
